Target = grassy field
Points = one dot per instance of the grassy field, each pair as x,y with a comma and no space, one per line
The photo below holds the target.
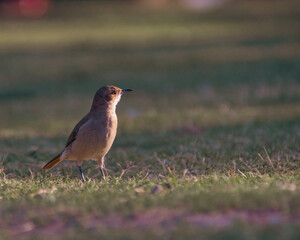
208,144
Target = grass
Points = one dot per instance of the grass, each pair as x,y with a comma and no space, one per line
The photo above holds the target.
192,204
208,144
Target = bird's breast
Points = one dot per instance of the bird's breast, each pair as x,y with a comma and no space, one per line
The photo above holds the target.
106,131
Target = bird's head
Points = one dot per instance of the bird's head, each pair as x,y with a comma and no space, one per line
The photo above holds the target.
109,94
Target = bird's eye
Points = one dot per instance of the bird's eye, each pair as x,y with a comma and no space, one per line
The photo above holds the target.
114,92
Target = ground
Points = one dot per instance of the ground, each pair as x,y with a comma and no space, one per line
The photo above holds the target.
208,143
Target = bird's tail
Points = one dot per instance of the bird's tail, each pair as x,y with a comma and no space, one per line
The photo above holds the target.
57,159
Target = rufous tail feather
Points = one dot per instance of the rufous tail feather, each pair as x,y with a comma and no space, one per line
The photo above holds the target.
53,162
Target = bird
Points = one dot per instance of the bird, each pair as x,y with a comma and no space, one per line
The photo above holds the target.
94,134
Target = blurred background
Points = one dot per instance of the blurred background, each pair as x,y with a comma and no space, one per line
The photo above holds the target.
194,64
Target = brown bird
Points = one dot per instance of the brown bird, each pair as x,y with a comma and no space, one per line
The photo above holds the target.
95,133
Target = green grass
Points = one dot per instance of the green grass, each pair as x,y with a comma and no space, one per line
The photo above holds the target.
208,143
53,205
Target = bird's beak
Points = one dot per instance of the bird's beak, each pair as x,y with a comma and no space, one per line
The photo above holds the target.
126,90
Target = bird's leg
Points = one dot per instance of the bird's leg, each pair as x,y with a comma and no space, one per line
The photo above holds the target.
101,167
80,171
102,173
81,174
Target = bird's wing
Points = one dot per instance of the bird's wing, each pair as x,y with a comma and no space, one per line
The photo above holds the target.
73,134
